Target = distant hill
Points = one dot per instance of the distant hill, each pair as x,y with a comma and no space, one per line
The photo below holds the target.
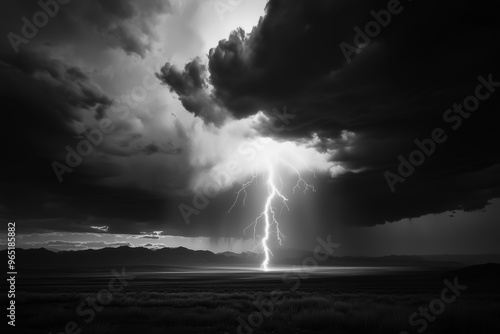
182,257
467,260
120,256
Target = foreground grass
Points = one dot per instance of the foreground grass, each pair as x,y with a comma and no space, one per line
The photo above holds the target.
215,312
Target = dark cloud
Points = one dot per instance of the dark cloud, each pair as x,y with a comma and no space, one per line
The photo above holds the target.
369,111
43,100
69,87
128,25
395,91
293,57
153,148
190,85
46,105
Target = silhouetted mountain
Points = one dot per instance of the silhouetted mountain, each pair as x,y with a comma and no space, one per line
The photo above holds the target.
182,257
121,256
467,260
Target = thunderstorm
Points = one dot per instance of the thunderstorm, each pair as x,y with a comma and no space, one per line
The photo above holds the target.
268,213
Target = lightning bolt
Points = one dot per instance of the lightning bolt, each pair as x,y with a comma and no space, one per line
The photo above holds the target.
268,214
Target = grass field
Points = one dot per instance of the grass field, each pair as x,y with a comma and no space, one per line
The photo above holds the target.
203,311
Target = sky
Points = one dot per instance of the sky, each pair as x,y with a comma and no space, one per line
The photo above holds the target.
137,122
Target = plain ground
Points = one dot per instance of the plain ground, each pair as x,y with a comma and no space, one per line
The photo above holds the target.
212,302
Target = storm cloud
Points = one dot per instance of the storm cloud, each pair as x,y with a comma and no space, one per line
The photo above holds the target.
362,114
394,91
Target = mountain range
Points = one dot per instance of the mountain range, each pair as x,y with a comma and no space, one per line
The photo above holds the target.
183,257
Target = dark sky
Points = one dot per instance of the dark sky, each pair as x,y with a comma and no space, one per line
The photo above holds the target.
93,61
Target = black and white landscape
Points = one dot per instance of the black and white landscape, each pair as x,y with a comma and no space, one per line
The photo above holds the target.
250,166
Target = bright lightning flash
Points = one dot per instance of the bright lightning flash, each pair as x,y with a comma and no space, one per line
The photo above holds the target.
268,214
